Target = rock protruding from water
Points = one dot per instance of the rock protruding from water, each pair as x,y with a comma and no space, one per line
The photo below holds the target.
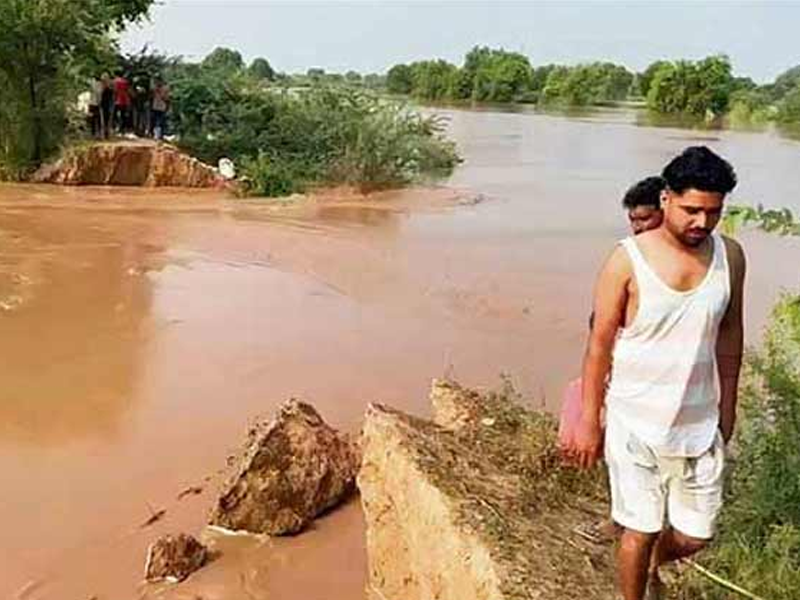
294,468
139,163
478,509
174,558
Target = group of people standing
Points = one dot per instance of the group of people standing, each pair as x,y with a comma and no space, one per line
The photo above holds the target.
119,106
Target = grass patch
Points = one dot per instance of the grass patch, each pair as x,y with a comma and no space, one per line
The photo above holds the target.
758,546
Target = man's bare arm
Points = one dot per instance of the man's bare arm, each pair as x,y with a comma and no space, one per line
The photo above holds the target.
610,299
730,342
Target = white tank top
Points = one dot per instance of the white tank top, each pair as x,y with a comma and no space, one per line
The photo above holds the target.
664,384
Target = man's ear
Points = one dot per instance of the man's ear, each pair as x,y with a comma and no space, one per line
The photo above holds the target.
664,197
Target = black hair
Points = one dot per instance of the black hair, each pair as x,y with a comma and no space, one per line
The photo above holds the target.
699,168
646,192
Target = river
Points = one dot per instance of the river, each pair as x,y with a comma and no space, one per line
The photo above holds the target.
141,332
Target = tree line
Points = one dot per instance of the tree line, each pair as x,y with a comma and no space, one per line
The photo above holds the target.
705,89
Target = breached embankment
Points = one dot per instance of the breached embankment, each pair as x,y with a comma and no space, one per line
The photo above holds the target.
472,505
475,504
135,162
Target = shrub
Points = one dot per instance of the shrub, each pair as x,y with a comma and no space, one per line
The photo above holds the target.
285,140
758,546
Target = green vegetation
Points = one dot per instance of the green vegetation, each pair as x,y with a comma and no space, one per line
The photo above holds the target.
696,88
739,216
758,547
284,132
585,85
492,75
693,91
47,48
285,139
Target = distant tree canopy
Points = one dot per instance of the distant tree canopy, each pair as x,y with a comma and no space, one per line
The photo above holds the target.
261,69
582,85
400,79
692,87
432,79
224,59
47,49
645,78
702,89
785,83
496,75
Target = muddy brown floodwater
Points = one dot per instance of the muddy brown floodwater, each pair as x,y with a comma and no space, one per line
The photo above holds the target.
141,331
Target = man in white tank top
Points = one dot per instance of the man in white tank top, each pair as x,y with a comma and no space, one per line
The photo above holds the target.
668,317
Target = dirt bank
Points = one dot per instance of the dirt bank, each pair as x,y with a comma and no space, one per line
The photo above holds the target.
478,508
140,162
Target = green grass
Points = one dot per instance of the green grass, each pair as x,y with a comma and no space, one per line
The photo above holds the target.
758,546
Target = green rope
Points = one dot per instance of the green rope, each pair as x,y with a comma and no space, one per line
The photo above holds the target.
729,585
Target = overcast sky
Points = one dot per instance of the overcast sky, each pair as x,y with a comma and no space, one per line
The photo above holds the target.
761,37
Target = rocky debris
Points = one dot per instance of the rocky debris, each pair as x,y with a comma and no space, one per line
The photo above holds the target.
478,508
174,558
294,468
454,407
140,163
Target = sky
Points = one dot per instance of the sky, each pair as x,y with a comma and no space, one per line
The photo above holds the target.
760,37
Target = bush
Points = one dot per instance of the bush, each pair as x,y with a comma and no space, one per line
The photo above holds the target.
286,140
759,543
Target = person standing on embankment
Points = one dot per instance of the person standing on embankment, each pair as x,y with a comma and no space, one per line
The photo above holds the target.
668,316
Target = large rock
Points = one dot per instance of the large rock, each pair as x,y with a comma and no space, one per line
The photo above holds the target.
480,509
174,558
293,469
143,163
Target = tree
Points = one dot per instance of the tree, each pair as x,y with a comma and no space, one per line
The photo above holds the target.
539,77
352,77
46,48
789,107
785,83
432,79
399,79
261,69
645,78
583,85
223,59
699,88
493,75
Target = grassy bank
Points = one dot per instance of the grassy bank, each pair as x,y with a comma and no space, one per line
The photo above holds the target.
758,546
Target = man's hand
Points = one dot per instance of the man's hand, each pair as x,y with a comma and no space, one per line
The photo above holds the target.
588,442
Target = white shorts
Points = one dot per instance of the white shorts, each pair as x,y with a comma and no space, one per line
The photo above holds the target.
648,490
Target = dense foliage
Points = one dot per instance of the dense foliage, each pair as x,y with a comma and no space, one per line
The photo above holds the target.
492,75
285,139
47,47
759,543
691,87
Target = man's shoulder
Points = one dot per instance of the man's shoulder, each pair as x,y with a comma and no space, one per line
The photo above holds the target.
618,262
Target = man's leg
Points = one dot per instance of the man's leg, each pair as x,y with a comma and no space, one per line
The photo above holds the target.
673,545
633,562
